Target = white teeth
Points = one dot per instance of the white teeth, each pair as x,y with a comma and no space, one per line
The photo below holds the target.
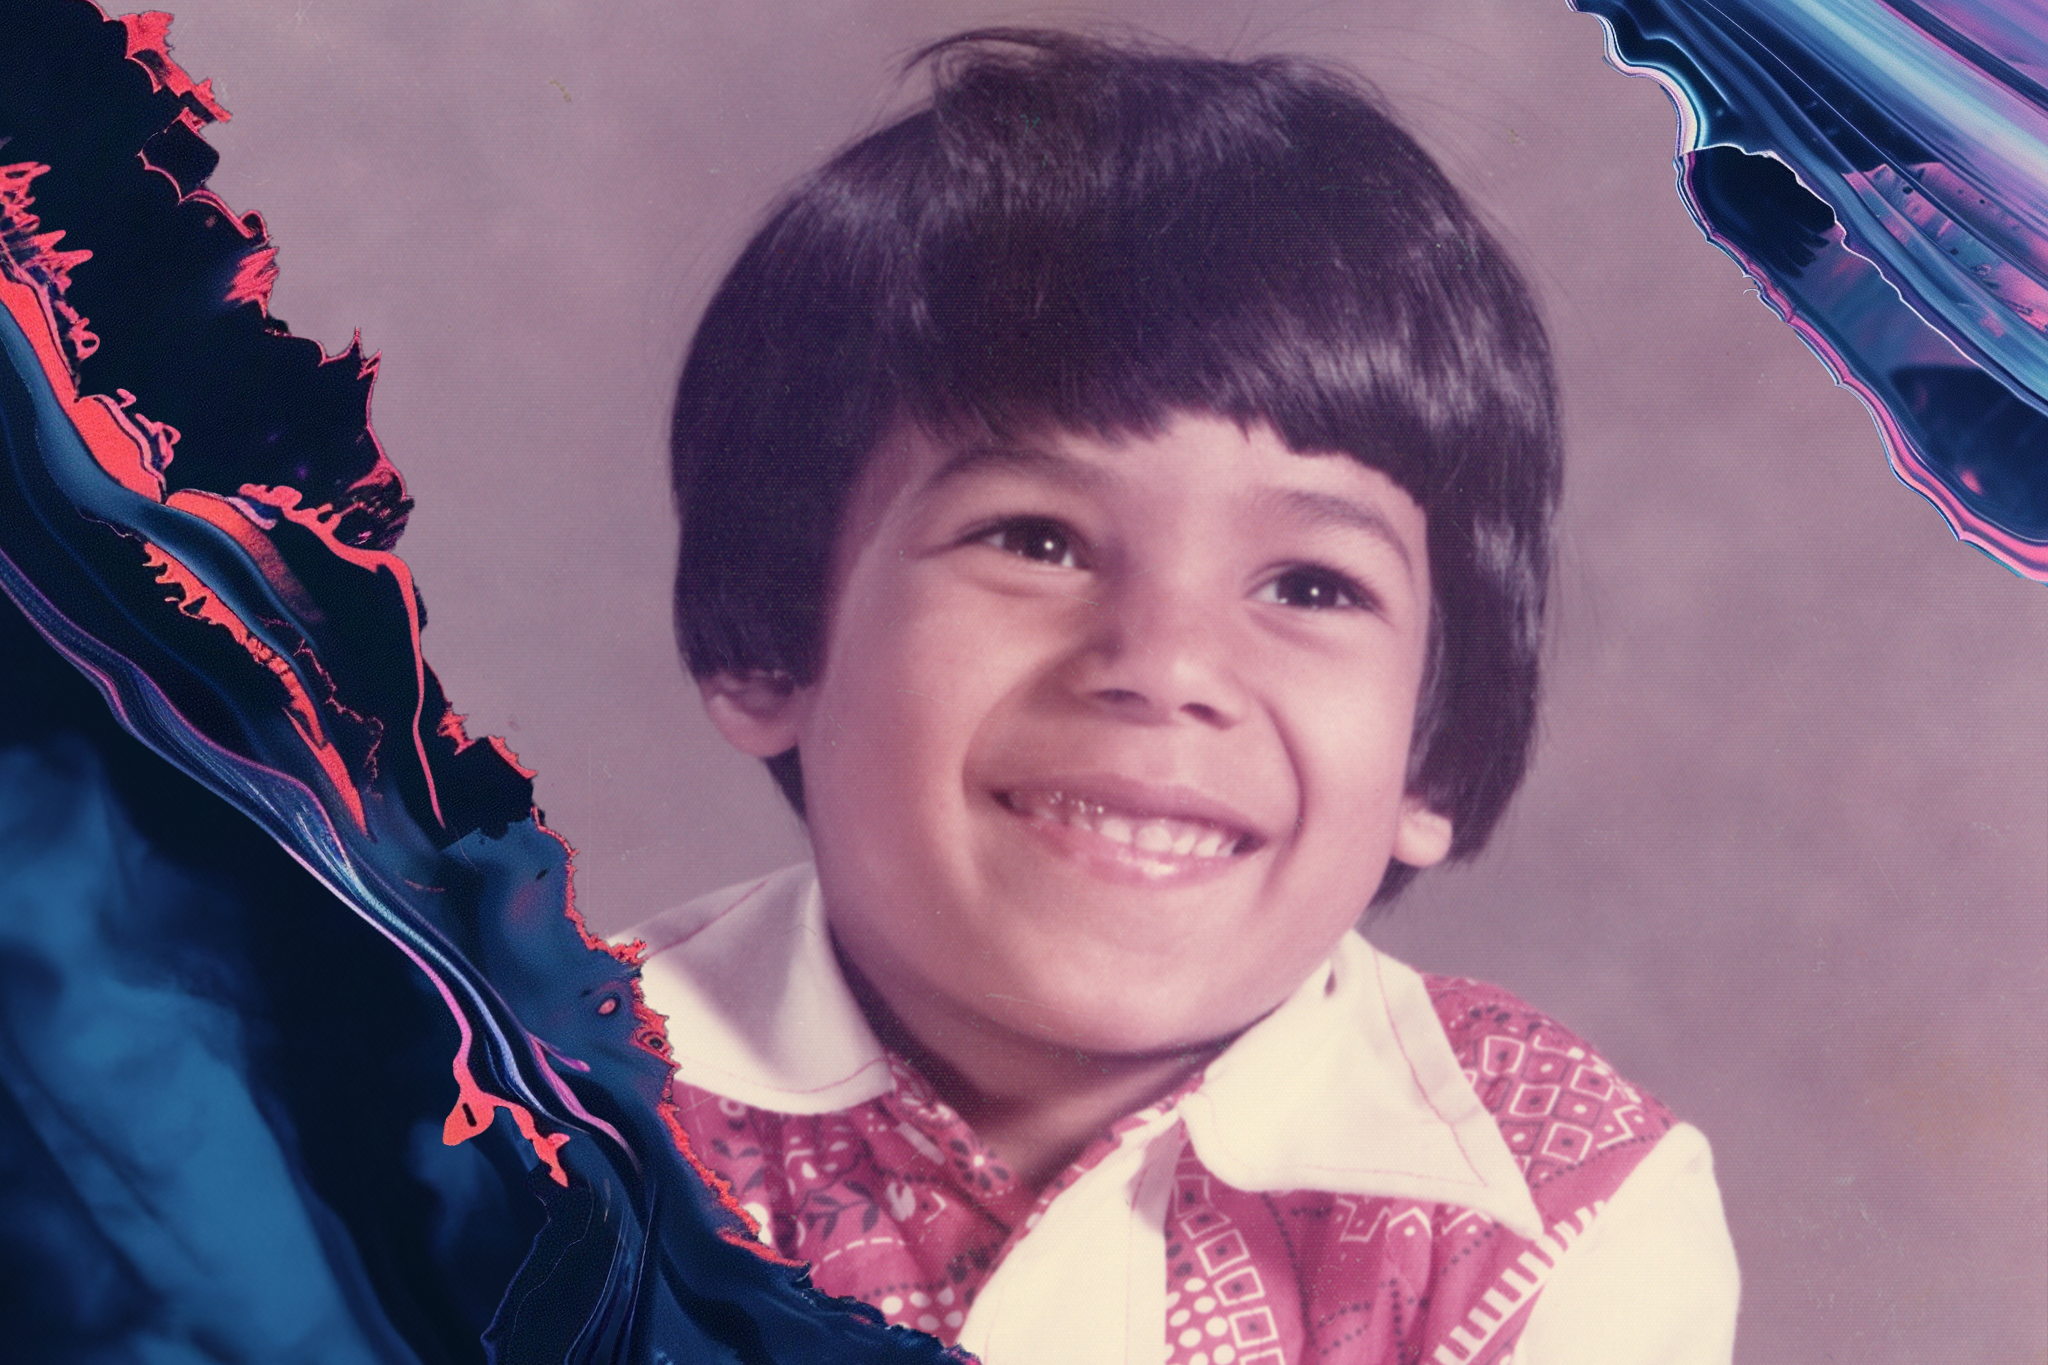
1158,835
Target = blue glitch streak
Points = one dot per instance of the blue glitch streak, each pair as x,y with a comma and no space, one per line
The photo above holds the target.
1919,130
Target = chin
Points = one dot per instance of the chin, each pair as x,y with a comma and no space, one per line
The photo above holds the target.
1104,1020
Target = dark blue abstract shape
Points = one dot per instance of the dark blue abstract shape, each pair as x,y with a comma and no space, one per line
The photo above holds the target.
1881,170
240,954
220,1091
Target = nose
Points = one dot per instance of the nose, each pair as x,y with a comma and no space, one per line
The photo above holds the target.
1157,653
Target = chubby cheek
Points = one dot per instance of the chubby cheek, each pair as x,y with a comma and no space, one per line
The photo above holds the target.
1350,757
883,755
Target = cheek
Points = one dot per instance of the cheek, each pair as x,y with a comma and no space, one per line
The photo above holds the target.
942,659
1350,729
907,686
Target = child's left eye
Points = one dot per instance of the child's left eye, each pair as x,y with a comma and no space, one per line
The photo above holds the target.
1314,590
1036,538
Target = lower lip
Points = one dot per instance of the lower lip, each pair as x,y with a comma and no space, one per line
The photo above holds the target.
1124,864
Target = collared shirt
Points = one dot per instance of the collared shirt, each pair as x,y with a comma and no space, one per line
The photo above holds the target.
1386,1167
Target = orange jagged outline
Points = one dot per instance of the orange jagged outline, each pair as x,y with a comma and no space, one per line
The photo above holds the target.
149,47
201,603
26,252
133,451
124,452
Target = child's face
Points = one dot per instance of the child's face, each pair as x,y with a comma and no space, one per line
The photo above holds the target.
1109,744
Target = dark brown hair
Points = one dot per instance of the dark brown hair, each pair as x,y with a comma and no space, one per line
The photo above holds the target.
1080,235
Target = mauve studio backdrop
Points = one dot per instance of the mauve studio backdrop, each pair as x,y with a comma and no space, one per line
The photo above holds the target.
1784,854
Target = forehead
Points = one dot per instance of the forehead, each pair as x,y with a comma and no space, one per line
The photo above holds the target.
1184,449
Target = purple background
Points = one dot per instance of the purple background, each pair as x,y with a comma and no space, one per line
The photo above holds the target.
1784,855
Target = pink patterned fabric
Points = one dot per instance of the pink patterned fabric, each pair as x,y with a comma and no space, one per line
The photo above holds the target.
896,1201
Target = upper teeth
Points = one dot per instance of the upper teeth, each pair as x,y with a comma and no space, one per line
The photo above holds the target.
1147,834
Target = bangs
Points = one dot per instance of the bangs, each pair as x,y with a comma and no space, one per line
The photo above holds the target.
1255,241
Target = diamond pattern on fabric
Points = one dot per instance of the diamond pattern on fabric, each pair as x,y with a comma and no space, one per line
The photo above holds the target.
897,1202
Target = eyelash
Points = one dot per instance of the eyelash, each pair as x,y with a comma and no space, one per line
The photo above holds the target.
1348,593
1044,540
1015,537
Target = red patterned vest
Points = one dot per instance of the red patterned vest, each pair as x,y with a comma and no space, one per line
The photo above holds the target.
896,1202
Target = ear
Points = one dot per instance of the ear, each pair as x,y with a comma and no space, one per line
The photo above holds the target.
759,712
1423,837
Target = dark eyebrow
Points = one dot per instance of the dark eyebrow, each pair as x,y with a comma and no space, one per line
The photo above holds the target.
1331,509
1036,462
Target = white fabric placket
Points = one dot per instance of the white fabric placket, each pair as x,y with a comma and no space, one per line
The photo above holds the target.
1087,1284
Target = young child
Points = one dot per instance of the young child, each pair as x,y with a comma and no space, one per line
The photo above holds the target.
1116,504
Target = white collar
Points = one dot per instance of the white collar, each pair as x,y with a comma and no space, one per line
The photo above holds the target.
1371,1099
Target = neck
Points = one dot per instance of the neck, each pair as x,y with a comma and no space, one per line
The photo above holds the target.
1036,1105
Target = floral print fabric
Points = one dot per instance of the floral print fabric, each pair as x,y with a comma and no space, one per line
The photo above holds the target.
897,1202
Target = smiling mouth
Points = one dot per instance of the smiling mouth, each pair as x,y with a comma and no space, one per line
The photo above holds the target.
1167,841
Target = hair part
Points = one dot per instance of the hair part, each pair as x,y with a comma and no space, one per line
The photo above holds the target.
1096,238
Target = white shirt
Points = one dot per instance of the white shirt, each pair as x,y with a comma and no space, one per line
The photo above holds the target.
1373,1103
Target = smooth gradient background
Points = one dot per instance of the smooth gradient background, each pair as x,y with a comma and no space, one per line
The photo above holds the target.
1784,855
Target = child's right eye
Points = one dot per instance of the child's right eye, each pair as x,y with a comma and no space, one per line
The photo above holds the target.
1035,538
